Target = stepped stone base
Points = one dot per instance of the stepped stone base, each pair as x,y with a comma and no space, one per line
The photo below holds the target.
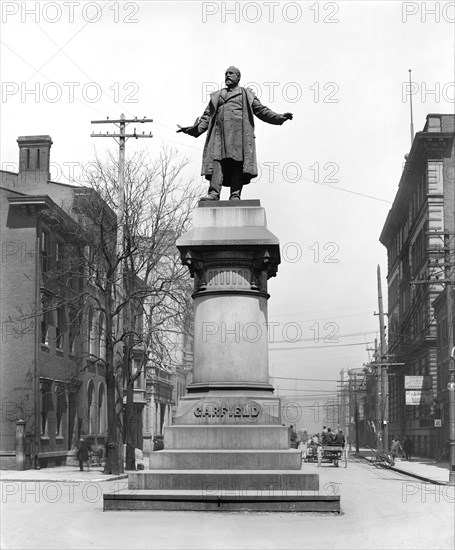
207,437
226,460
225,480
222,501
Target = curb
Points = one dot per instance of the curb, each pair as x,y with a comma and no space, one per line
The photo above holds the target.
410,474
50,480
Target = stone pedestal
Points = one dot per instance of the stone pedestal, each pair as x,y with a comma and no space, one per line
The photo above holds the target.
231,255
228,434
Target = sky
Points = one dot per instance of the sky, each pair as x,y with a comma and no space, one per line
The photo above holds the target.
328,177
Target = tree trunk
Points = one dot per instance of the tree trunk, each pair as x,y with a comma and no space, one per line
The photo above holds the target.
114,445
130,447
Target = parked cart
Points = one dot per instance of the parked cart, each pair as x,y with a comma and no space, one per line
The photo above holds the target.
333,454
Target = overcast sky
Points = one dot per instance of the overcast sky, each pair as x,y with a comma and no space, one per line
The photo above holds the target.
328,177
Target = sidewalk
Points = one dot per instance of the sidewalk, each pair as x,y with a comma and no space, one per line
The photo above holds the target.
60,474
426,469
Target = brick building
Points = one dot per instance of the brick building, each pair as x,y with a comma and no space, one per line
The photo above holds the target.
422,212
443,351
46,376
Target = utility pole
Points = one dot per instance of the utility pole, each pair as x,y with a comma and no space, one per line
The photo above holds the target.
451,359
383,375
356,420
343,403
449,281
356,385
120,138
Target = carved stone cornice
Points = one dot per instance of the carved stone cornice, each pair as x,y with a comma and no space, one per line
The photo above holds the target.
251,269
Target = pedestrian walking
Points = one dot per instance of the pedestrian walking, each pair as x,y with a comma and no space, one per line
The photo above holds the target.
303,448
396,448
83,450
408,447
293,437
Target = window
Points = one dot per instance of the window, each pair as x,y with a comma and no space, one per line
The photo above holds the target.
102,410
38,159
101,337
137,366
46,407
91,407
60,328
435,177
59,257
61,409
72,331
92,333
45,321
434,124
45,245
138,324
72,266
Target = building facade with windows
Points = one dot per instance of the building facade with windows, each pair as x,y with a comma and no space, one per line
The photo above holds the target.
444,353
50,377
415,234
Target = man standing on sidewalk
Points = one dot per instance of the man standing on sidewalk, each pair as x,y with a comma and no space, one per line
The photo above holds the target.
83,449
407,447
396,447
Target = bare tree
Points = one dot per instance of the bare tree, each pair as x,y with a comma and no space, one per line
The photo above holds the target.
145,307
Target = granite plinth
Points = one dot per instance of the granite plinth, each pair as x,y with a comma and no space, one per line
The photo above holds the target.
289,459
225,223
222,407
226,437
226,480
222,501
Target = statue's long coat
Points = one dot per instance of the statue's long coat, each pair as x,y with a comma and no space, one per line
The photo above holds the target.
207,123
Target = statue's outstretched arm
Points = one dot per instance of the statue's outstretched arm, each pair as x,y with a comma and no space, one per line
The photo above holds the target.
199,127
267,115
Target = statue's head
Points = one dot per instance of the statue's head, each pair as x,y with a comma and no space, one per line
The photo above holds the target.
232,77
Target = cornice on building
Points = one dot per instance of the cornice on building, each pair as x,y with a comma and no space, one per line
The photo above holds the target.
33,205
426,145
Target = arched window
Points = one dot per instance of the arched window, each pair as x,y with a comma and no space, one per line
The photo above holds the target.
91,410
102,410
61,408
91,339
101,336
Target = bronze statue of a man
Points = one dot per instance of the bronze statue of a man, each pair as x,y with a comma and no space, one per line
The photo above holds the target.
229,157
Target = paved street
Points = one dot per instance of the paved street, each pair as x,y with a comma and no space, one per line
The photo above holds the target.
380,509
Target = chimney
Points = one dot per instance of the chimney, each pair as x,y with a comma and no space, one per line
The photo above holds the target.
34,160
